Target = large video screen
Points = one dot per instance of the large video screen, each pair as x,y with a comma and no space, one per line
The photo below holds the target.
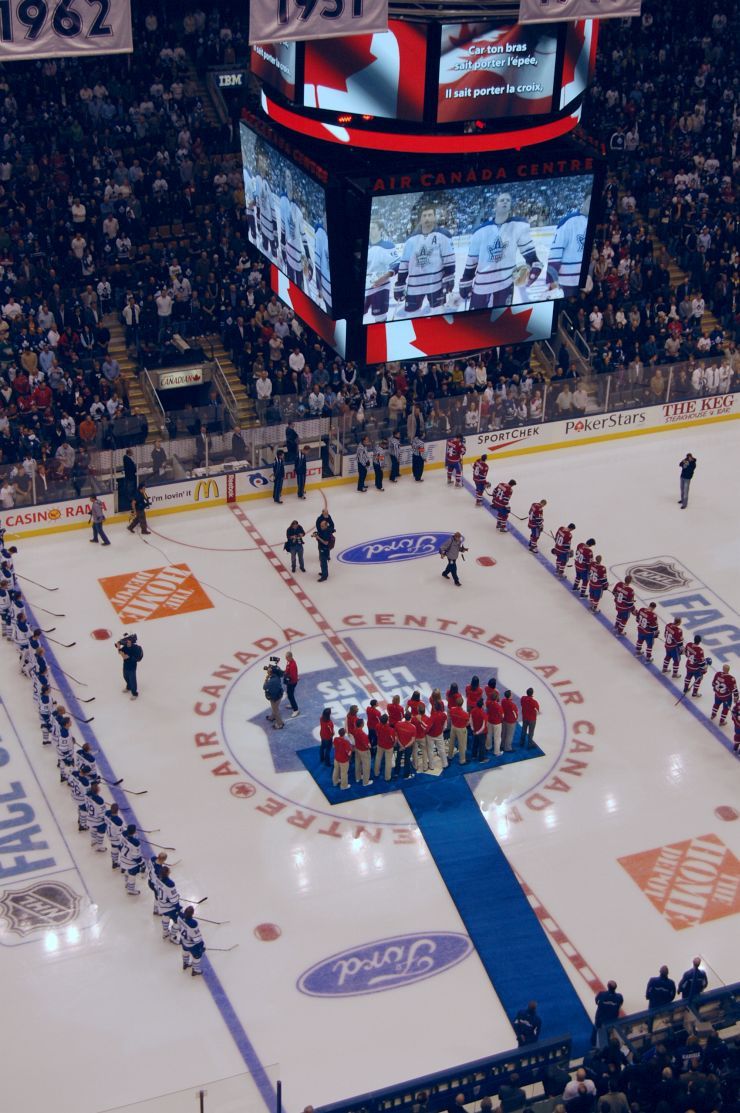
481,247
275,64
493,70
286,217
373,75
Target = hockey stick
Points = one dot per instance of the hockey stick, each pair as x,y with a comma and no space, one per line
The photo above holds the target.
36,584
64,645
158,845
78,720
78,698
53,614
69,674
153,831
49,631
681,698
218,923
114,784
232,948
201,901
132,792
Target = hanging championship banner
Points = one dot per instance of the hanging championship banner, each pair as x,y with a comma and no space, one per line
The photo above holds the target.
552,11
281,20
45,29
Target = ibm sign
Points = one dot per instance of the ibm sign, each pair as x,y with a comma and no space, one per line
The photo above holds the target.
230,80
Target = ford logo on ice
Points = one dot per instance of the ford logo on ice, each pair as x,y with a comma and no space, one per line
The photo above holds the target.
405,546
385,964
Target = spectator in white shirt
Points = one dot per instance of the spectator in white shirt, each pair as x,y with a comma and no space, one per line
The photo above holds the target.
263,390
297,360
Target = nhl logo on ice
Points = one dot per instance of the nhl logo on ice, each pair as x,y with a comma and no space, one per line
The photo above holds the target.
405,546
45,904
689,882
658,575
385,964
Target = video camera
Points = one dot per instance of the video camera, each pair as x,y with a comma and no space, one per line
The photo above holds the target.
132,638
272,664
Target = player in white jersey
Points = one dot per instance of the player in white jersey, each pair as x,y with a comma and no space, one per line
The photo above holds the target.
250,202
321,266
382,265
293,241
566,251
267,217
494,255
426,271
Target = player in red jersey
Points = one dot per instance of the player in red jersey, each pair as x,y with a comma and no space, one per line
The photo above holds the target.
736,725
480,478
597,583
454,454
562,551
647,630
500,500
624,601
725,693
535,523
696,665
673,638
584,556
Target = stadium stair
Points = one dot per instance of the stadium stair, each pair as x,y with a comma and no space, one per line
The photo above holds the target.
138,401
247,417
708,322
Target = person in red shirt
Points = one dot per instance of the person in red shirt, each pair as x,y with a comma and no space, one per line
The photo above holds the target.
510,713
647,630
495,716
597,582
500,500
696,665
362,754
326,736
351,719
421,758
395,711
406,733
386,745
290,680
725,693
459,719
435,732
414,702
478,726
583,557
562,550
473,692
530,712
372,717
491,689
342,752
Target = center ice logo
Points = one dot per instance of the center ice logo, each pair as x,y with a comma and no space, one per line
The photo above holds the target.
406,546
385,964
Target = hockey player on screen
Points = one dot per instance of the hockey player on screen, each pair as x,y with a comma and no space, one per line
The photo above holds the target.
480,478
491,268
566,250
293,241
454,454
267,225
382,266
426,271
321,266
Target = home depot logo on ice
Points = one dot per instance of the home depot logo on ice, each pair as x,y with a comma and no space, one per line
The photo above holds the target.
689,882
155,593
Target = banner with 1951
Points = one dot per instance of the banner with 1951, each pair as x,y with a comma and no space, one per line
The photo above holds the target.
281,20
56,28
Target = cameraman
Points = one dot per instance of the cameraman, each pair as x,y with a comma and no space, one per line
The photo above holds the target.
451,549
273,689
132,653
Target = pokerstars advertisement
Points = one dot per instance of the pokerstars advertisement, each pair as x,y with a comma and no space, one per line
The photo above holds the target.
481,247
493,70
374,75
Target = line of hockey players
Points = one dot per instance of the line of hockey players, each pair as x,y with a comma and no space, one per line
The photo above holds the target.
591,580
501,254
78,770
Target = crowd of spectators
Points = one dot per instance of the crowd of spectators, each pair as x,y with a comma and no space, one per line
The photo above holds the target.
127,200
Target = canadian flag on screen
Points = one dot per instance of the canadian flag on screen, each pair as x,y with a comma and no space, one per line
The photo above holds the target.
280,20
371,75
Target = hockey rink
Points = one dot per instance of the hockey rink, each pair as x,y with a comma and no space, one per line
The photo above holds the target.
339,962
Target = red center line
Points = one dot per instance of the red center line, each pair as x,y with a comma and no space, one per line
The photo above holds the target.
335,640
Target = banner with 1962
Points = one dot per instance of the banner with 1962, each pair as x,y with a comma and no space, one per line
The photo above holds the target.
57,28
280,20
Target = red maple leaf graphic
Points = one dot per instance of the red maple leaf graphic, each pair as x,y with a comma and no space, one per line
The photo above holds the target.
465,332
573,47
331,62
